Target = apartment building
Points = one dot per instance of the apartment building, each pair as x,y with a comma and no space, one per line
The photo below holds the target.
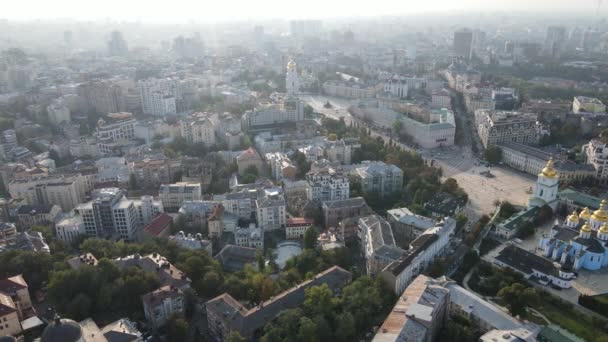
327,184
29,215
584,104
406,225
102,96
8,234
153,170
197,128
18,291
281,166
296,227
225,314
193,242
159,97
11,325
596,154
162,303
497,127
288,110
252,237
247,159
110,214
379,178
353,89
336,211
440,98
69,228
49,190
421,252
115,127
174,195
419,313
377,243
271,211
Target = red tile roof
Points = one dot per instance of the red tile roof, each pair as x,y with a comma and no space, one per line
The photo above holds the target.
158,224
299,221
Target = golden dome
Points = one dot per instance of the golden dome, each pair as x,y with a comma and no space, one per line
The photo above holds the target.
601,214
604,228
586,228
585,214
548,171
291,65
573,217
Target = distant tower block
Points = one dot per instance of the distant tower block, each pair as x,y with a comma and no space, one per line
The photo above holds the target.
292,81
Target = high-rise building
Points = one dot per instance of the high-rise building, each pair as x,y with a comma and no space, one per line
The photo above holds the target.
174,195
554,41
117,46
592,39
463,43
306,28
188,47
58,112
159,96
102,96
110,214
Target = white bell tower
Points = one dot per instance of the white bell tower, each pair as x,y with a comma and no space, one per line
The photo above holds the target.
546,188
292,81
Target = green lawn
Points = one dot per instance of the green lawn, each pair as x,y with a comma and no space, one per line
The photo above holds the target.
577,323
602,298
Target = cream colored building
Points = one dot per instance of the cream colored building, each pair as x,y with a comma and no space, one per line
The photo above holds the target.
296,227
174,195
584,104
532,160
198,129
248,158
352,90
596,154
161,304
497,127
9,319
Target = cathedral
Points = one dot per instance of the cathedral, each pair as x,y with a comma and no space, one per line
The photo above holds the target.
581,241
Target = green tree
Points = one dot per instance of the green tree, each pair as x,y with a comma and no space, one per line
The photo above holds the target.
310,238
234,336
177,329
133,182
518,297
307,331
493,154
397,126
346,328
319,300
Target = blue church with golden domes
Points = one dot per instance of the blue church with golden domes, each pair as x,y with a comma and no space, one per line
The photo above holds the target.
581,241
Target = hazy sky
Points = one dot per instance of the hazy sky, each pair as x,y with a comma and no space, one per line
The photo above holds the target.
211,10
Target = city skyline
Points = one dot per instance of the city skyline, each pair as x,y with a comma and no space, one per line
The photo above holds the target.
273,9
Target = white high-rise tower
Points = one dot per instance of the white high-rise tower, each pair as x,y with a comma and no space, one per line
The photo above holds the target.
292,81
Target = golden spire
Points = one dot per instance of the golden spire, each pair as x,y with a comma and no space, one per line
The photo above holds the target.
601,215
585,214
548,171
586,228
573,217
604,228
291,65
